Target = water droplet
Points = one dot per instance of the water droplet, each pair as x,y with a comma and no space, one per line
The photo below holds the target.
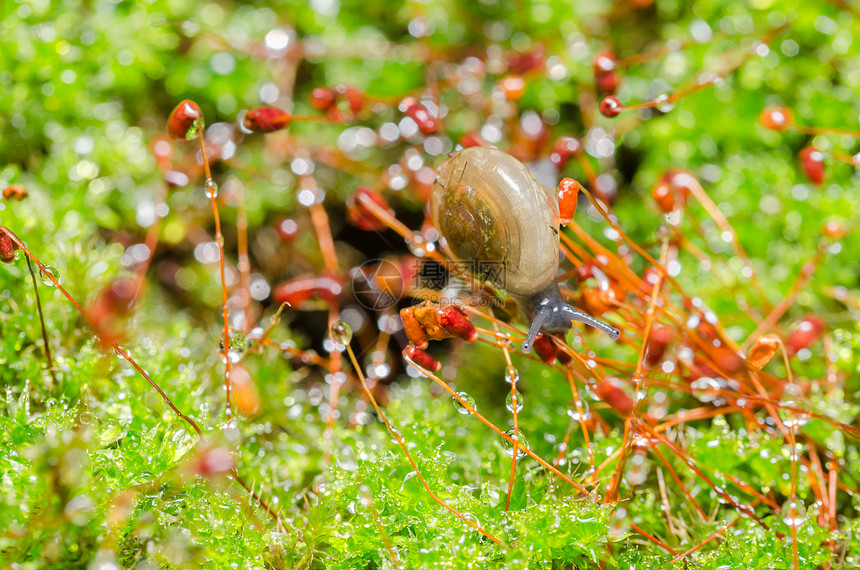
211,188
47,271
341,332
795,416
110,432
394,434
663,103
238,346
511,375
576,416
509,401
793,513
522,443
705,389
619,524
467,399
471,518
178,440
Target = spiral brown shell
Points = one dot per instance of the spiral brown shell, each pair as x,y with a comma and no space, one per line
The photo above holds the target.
494,215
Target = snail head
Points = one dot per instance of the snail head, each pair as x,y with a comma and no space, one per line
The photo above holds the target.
549,313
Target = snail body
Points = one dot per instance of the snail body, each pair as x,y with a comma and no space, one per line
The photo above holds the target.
492,212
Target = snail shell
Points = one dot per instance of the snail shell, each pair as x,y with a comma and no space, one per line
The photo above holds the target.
490,210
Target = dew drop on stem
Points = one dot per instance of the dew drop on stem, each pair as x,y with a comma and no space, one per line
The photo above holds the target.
341,332
46,272
793,513
466,399
521,443
511,405
238,346
211,188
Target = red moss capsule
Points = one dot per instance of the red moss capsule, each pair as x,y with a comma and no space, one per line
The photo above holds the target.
657,344
297,291
562,356
605,74
454,321
593,302
513,87
763,350
246,399
534,59
568,194
607,82
807,331
472,139
185,121
545,348
267,119
812,161
682,182
727,361
115,299
834,229
610,106
421,358
584,271
413,329
213,461
422,117
664,197
323,98
776,118
564,148
610,392
354,98
15,192
7,247
650,276
112,304
427,315
603,62
359,215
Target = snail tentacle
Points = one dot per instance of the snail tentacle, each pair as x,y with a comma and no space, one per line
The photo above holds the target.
580,317
542,316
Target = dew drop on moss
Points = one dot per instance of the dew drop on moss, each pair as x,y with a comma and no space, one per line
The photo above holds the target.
178,440
110,432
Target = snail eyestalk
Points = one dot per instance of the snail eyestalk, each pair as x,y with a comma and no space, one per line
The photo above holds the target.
541,317
551,314
580,317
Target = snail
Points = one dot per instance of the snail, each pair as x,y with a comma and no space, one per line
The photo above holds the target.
492,212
